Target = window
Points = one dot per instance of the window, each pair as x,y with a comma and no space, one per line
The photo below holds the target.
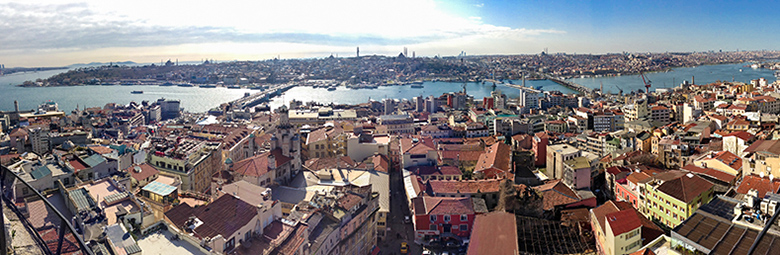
433,218
446,218
464,227
433,227
464,217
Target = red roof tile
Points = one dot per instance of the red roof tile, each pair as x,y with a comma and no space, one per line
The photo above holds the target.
444,206
686,187
224,216
494,233
258,165
623,221
146,171
465,186
762,185
497,156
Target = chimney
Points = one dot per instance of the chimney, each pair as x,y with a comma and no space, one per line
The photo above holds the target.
271,162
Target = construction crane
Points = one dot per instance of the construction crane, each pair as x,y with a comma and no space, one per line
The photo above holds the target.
646,81
621,90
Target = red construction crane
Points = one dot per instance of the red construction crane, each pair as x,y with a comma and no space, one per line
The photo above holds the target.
646,81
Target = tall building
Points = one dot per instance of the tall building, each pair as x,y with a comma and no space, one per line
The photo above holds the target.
529,98
169,109
39,139
389,106
556,156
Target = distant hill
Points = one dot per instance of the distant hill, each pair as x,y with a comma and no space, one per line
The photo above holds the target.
125,63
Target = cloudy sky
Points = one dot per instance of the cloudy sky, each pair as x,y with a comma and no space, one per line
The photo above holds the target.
63,32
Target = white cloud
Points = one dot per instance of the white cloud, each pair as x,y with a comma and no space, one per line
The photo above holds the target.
96,24
479,5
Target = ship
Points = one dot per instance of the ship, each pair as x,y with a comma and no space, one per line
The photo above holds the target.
417,85
331,88
185,85
137,92
208,86
234,87
166,84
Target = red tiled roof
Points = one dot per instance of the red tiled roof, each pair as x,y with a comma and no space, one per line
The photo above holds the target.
464,187
638,177
762,185
316,136
146,171
730,159
494,233
556,193
601,212
497,156
224,216
771,146
101,149
435,170
461,155
686,187
714,173
18,132
623,221
77,164
258,165
444,206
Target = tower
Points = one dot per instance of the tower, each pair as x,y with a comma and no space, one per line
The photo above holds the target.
358,51
405,55
16,106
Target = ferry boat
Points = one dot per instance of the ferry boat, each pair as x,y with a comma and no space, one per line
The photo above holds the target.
234,87
166,84
331,88
185,85
208,86
137,92
417,85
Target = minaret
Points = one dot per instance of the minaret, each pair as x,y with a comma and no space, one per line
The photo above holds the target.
358,52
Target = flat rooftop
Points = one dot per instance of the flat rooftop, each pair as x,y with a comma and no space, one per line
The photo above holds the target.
163,243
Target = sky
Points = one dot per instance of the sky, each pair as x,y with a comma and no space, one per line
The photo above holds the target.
64,32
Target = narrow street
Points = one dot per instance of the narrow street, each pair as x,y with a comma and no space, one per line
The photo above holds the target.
398,209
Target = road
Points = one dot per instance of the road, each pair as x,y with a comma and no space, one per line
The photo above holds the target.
398,209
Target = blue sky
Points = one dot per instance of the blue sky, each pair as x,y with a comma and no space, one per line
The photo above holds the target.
61,32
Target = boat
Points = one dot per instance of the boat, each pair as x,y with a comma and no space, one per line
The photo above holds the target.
417,86
137,92
208,86
185,85
166,84
234,87
331,88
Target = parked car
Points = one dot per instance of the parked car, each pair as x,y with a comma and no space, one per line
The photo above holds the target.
407,219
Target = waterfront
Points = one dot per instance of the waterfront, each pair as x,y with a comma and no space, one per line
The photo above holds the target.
195,99
703,75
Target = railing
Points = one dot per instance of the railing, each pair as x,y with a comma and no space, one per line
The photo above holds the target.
52,232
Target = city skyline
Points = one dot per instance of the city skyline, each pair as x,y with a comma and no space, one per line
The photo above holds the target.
55,33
